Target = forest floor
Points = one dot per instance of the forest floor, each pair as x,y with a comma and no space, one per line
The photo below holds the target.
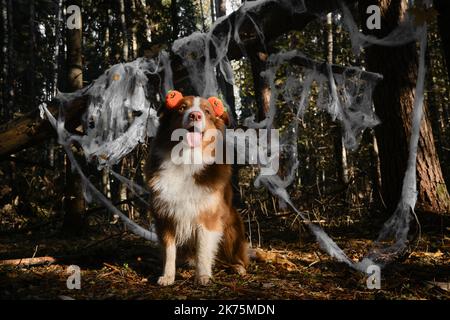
117,265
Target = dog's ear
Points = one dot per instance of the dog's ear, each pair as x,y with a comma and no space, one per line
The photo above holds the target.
225,118
173,99
217,105
219,109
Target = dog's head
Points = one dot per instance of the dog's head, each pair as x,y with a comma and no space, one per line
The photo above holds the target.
197,120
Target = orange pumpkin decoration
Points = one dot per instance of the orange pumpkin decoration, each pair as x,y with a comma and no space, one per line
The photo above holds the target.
217,105
173,98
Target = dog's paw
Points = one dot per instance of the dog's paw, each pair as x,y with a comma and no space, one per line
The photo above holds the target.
190,262
203,280
239,269
166,280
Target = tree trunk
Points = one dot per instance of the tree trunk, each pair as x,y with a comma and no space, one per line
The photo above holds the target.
123,23
175,20
107,41
5,61
202,15
258,63
106,183
443,7
134,41
74,204
433,107
56,56
32,44
74,59
228,92
123,186
226,88
57,31
261,86
211,8
340,151
394,99
9,60
221,8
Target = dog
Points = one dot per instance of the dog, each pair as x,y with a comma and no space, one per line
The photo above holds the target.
192,203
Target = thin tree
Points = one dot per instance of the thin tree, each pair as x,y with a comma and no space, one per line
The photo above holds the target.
5,60
340,151
32,48
56,51
228,92
123,23
74,204
174,17
134,41
443,8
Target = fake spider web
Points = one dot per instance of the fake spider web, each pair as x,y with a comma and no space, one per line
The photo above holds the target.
121,114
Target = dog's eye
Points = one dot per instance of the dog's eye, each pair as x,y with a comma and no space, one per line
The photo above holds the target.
182,108
207,111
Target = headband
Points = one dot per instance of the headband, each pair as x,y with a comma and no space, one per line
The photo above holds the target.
174,97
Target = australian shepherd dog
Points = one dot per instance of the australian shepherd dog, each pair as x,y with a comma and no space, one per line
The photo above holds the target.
191,202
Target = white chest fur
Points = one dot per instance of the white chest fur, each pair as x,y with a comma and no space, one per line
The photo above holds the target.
183,199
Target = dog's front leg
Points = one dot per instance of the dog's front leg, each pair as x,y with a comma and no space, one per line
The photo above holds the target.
170,250
207,244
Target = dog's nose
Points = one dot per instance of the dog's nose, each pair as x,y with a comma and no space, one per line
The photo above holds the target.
195,116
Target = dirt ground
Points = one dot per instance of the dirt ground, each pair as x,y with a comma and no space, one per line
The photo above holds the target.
117,265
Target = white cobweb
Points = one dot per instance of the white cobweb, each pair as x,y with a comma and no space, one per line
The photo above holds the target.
121,114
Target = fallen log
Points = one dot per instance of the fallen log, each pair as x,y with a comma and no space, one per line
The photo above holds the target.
27,262
31,129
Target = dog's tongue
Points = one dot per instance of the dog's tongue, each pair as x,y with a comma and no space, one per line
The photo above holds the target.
194,139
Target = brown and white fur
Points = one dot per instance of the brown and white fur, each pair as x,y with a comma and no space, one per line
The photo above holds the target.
192,203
